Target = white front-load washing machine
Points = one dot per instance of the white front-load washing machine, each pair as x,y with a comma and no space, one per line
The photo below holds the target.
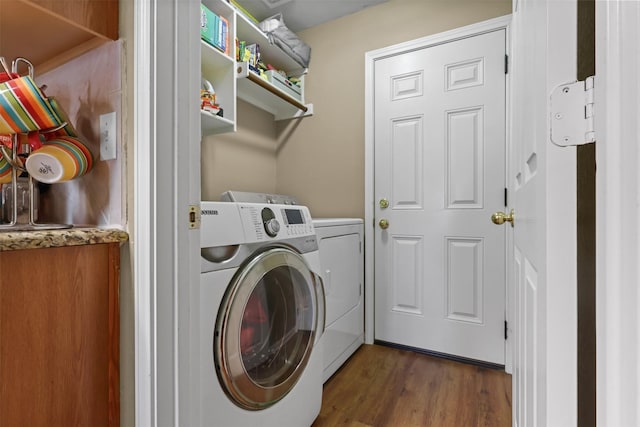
258,316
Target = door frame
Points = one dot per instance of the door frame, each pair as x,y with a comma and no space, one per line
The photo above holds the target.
371,57
617,225
166,182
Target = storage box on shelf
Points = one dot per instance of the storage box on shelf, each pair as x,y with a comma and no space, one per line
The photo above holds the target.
267,96
284,84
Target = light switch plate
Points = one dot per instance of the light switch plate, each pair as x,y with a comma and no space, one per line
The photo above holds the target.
108,136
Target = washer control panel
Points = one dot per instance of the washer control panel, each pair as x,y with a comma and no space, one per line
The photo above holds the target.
270,222
275,222
296,222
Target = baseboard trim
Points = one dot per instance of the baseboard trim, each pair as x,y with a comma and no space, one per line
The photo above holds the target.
466,360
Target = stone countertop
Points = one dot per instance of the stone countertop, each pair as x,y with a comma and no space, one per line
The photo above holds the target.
35,239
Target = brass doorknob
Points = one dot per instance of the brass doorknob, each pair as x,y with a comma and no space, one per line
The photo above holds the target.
384,224
384,203
500,218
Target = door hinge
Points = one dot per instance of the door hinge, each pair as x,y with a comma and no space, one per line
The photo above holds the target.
506,64
194,216
506,330
572,110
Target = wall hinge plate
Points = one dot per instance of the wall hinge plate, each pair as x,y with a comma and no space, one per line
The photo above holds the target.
572,113
194,216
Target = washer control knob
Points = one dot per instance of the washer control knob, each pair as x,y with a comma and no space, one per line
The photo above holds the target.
272,226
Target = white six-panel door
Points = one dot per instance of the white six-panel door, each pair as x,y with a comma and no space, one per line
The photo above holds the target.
440,163
542,178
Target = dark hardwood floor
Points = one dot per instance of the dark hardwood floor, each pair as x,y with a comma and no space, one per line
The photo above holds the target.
381,386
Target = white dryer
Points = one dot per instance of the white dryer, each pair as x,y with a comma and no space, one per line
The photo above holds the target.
258,315
340,241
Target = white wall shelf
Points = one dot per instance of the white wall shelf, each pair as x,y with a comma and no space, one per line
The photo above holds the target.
213,58
218,69
233,80
212,124
259,92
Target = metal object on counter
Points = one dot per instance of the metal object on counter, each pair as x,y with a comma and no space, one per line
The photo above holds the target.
23,200
14,162
18,220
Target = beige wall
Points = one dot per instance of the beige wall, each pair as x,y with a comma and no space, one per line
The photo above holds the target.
321,158
95,89
241,161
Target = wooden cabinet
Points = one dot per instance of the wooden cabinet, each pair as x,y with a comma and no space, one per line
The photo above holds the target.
233,80
51,32
59,336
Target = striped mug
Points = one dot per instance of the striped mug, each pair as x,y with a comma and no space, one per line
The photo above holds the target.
58,160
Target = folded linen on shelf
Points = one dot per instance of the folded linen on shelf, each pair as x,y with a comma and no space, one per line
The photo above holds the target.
280,35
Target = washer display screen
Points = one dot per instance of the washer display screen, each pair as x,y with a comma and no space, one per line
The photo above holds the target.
294,216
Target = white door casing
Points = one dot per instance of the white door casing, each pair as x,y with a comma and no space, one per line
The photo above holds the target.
166,182
439,161
468,114
542,177
617,97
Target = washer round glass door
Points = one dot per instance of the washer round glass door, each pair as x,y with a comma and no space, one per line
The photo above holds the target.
266,328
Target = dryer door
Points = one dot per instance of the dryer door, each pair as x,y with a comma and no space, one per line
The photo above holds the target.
267,327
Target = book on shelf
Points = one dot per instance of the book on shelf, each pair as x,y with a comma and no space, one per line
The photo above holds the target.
207,25
224,35
254,54
214,29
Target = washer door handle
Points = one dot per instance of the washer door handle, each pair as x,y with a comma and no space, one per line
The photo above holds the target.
321,316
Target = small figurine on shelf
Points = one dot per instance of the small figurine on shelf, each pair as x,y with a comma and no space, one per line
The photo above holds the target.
208,99
209,106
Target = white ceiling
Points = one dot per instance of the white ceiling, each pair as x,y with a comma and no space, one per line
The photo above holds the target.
302,14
